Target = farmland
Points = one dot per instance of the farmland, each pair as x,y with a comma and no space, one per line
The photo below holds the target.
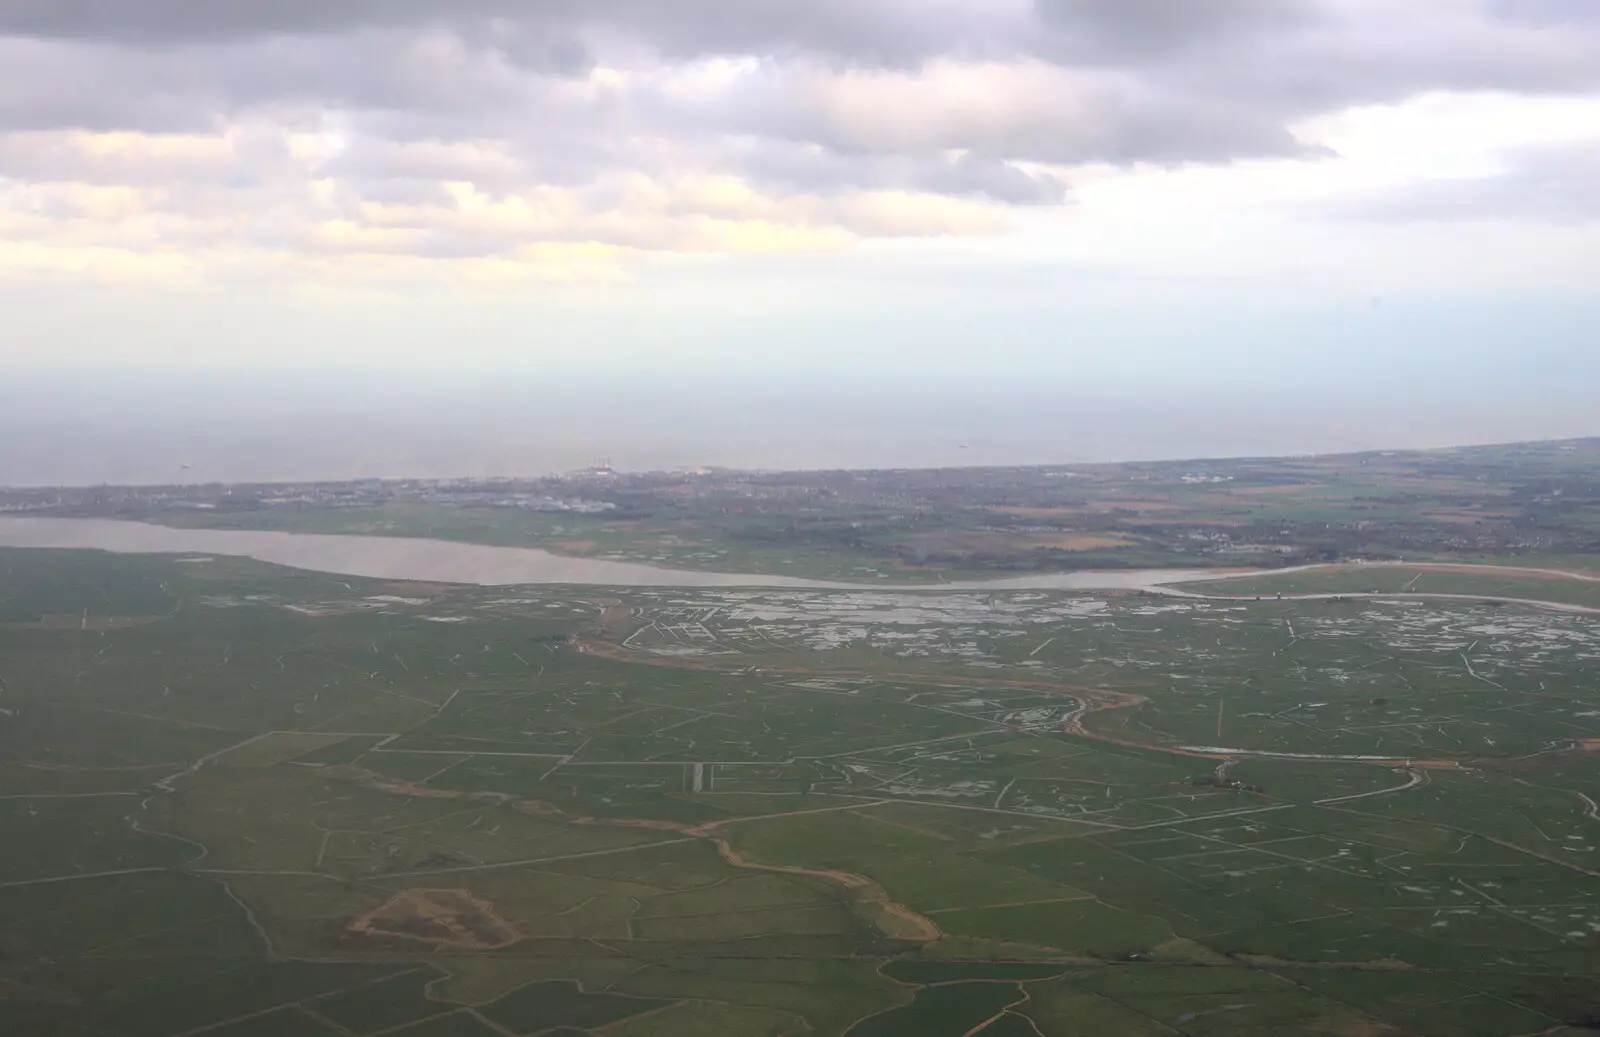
251,801
1516,504
1549,585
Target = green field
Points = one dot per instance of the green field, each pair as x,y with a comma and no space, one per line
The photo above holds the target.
1579,589
673,541
1513,504
267,802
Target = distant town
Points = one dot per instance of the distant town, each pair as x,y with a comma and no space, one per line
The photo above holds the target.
552,494
1491,502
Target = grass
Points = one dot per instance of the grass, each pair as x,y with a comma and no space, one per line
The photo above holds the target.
381,1006
291,1022
829,994
285,772
35,585
931,972
665,543
1010,1024
544,1006
936,526
1081,927
949,1010
917,870
1387,579
1062,1006
182,1004
456,1024
55,836
1432,1004
696,1018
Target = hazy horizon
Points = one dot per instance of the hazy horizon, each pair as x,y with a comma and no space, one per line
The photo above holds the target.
340,239
281,428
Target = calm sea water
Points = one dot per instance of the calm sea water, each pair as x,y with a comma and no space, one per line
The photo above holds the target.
86,429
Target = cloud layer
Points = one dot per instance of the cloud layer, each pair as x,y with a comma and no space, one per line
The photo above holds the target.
547,137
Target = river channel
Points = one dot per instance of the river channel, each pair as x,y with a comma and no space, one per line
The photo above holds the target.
443,561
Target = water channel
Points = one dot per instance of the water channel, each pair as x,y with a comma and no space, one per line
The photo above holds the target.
443,561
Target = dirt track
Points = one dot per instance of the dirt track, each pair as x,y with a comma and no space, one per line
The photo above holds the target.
896,920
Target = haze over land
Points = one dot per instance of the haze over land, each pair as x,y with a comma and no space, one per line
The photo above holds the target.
90,427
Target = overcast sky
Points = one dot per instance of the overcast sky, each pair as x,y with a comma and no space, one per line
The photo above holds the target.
1183,188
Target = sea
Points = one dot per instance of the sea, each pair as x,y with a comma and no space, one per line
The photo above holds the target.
75,428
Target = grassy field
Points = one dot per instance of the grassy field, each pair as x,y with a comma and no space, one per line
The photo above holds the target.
674,543
284,803
1518,504
1387,579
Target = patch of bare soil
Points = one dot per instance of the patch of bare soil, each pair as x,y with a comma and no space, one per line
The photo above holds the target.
1150,522
1286,489
1077,541
1117,504
867,897
1036,512
1467,516
550,812
452,916
378,783
439,916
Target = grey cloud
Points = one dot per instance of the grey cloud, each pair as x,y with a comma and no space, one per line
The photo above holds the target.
976,175
541,51
67,85
885,32
1212,78
412,88
892,30
54,86
169,21
1112,30
1109,116
1169,126
801,168
1571,12
1367,62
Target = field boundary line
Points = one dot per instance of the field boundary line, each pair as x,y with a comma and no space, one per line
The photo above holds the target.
85,875
543,860
1419,776
1015,903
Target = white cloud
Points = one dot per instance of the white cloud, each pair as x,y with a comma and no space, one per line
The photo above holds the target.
348,139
